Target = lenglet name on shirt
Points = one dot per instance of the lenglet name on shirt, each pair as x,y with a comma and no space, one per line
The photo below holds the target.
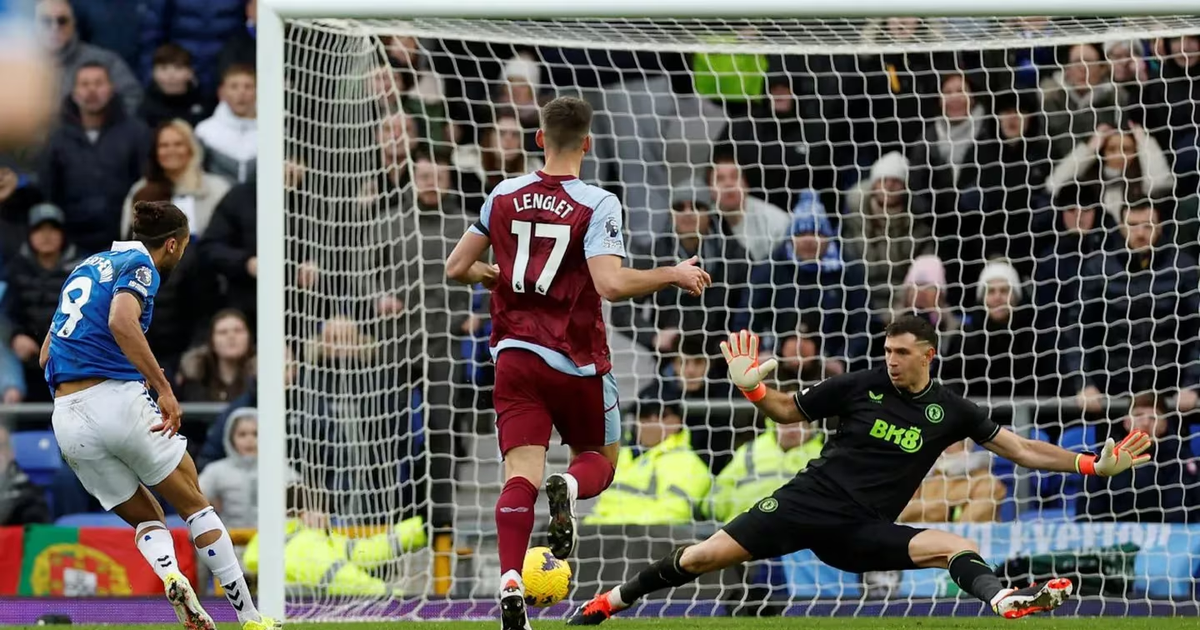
549,203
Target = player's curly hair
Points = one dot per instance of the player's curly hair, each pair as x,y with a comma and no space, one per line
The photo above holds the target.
154,222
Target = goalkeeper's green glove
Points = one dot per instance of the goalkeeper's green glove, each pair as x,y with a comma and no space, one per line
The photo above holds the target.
741,354
1114,458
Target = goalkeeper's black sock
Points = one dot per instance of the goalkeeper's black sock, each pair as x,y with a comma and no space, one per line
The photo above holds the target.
973,575
666,573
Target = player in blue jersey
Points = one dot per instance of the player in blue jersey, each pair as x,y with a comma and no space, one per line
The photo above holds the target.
114,436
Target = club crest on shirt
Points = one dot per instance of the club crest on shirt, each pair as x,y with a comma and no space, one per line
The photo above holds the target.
144,275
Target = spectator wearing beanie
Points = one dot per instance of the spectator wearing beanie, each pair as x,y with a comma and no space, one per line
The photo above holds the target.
35,277
173,92
230,136
994,356
924,295
884,227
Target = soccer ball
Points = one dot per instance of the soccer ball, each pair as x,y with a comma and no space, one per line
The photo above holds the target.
547,579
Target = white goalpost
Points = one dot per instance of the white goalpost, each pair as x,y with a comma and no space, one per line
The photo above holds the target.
383,124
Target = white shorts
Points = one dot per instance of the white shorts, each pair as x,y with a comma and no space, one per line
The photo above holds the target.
104,435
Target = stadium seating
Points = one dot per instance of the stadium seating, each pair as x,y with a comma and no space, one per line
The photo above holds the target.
108,519
37,455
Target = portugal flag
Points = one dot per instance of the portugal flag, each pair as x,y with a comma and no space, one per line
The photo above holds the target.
93,561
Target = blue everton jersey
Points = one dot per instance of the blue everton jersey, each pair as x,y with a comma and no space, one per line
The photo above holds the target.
81,344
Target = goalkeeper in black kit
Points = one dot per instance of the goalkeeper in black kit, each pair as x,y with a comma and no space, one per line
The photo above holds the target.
894,422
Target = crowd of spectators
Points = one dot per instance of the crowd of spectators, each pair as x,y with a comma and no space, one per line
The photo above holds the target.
1037,204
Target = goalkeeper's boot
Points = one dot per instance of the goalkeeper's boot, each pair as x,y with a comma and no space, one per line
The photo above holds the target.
187,606
263,623
592,613
562,535
512,607
1036,598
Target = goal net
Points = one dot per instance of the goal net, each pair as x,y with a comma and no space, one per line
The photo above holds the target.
1029,185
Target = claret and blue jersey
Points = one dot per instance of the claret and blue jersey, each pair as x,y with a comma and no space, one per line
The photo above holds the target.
81,344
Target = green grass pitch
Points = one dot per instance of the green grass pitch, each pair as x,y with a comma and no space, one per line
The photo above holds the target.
807,623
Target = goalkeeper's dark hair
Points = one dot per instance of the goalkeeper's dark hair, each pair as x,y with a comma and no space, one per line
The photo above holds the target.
914,325
566,121
156,222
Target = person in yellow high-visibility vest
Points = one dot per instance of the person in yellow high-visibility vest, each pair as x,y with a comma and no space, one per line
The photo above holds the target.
760,467
660,480
322,559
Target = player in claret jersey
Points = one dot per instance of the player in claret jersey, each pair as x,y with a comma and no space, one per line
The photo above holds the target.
558,246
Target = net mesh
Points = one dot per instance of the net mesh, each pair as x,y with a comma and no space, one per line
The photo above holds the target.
1027,184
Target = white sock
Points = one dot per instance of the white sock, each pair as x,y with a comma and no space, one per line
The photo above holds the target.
614,599
157,547
512,574
222,561
572,485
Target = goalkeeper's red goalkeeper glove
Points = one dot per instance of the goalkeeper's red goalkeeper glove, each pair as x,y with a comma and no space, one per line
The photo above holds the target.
741,354
1114,458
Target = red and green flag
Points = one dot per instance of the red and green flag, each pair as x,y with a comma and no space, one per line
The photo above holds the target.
10,557
92,561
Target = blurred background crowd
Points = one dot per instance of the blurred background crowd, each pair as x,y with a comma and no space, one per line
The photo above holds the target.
1037,204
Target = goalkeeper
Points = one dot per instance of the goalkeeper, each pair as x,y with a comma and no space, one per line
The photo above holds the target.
894,422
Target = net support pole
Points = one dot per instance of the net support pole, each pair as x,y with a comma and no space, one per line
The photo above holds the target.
272,444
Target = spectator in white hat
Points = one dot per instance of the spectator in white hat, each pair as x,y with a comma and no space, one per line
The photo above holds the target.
882,226
520,82
994,355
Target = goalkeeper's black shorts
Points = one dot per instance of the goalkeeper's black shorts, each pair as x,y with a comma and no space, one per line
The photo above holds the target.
793,519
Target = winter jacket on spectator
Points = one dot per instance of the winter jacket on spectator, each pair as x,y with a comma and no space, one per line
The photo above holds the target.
995,359
184,304
1076,237
21,502
230,144
16,202
786,287
158,108
230,242
728,265
213,447
105,23
204,199
885,97
200,26
1083,164
1012,177
1172,99
200,383
32,296
89,179
781,149
885,236
1140,320
232,481
240,49
126,86
1073,115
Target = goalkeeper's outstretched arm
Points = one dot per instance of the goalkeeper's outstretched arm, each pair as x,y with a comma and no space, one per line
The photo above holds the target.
1114,459
741,354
